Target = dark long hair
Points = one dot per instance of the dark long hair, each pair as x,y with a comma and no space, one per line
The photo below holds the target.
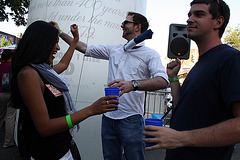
35,47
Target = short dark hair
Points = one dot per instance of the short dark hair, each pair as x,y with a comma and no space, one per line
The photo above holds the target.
35,47
7,54
217,8
140,19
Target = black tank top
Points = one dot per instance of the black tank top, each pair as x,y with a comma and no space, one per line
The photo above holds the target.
55,146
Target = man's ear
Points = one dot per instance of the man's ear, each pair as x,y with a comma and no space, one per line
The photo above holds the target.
138,27
219,22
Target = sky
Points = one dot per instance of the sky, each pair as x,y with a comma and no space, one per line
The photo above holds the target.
160,13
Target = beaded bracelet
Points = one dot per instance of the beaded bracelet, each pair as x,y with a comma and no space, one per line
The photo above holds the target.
69,121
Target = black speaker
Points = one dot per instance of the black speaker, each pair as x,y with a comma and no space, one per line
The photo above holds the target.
178,42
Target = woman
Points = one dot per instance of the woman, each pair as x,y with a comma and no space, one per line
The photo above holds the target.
43,95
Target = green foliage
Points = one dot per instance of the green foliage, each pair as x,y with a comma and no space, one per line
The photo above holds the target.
18,9
4,42
232,37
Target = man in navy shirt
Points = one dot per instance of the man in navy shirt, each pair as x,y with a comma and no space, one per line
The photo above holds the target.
206,121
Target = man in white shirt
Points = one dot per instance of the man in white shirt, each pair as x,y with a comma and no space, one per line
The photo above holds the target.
130,69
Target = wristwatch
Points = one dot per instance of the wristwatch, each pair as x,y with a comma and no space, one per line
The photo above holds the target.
135,84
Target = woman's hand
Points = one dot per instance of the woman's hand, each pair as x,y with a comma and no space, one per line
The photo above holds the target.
74,30
104,104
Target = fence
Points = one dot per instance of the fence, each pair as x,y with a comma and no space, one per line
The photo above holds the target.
156,104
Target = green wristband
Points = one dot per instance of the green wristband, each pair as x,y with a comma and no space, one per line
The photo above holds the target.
69,122
173,79
60,33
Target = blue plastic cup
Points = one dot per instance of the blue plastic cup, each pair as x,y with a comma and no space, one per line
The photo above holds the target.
112,91
154,122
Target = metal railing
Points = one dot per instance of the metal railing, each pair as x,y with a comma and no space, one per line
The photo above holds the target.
156,103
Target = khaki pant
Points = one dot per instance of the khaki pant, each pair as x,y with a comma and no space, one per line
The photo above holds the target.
7,114
3,108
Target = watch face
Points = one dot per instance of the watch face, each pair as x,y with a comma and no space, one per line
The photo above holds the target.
135,83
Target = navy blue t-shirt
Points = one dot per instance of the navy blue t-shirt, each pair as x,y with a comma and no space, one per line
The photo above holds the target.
206,96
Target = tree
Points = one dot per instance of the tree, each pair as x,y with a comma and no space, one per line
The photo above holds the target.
232,37
4,42
18,9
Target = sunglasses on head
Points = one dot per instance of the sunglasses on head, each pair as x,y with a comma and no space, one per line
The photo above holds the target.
126,22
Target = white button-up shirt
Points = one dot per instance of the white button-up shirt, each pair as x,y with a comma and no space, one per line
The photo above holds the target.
133,64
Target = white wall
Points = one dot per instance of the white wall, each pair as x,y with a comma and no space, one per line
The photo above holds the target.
99,23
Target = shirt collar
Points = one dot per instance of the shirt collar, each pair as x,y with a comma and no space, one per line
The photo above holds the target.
132,45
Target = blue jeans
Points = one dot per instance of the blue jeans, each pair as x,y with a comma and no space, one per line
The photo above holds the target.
123,134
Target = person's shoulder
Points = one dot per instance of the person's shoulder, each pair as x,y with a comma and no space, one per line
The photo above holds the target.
224,52
27,72
226,47
114,48
228,54
151,51
115,45
231,52
148,48
29,80
104,46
